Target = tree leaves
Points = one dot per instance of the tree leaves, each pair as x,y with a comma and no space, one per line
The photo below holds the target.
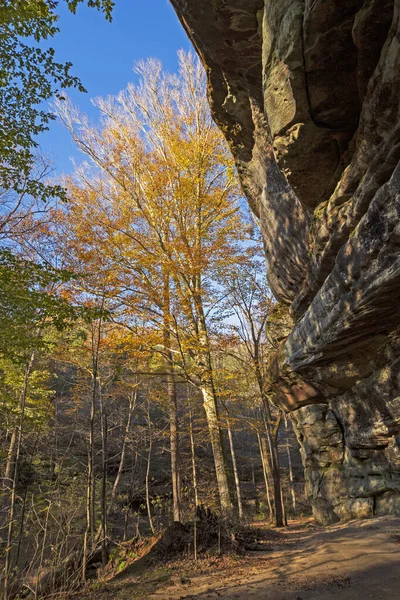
29,77
30,304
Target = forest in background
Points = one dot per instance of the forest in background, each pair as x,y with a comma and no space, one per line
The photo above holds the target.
135,326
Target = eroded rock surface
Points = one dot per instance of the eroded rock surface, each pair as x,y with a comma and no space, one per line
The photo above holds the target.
307,93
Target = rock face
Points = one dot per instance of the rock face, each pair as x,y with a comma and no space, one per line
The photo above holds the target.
307,93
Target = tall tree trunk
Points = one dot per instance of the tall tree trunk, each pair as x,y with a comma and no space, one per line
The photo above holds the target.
103,426
91,478
289,457
272,437
89,537
235,471
192,302
193,455
88,517
148,472
96,336
174,447
265,472
194,479
210,407
172,404
204,365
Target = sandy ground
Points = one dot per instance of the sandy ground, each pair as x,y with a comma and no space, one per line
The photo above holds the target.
353,561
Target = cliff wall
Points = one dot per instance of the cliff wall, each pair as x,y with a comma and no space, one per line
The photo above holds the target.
307,93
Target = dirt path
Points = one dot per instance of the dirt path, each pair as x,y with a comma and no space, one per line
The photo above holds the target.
355,561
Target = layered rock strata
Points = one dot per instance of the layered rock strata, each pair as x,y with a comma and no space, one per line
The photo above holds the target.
307,93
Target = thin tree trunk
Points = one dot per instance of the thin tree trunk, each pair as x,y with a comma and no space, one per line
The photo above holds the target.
148,473
8,474
264,467
172,404
42,552
88,518
126,518
103,425
194,471
22,517
174,446
95,364
283,507
194,477
235,471
272,437
14,472
91,483
91,479
289,457
132,405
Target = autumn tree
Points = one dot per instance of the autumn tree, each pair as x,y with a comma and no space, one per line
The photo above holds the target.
251,302
163,202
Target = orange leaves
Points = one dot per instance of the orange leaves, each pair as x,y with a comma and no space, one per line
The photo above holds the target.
159,203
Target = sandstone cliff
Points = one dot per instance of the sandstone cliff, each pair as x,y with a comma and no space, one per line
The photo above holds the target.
307,95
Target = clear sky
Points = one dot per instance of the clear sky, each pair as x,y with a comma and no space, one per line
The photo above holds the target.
103,54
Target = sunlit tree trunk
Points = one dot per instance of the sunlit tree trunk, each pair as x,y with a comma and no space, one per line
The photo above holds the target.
174,444
210,407
201,355
194,479
172,405
235,471
193,456
148,471
204,365
10,462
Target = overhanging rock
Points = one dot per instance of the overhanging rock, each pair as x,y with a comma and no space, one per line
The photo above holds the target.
307,93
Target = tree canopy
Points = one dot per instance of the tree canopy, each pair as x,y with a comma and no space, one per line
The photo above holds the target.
30,76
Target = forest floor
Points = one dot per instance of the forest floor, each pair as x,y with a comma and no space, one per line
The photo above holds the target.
352,561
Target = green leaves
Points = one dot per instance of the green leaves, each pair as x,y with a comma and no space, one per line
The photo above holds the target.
38,394
105,6
29,77
30,304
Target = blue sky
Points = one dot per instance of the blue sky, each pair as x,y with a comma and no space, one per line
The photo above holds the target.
103,55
